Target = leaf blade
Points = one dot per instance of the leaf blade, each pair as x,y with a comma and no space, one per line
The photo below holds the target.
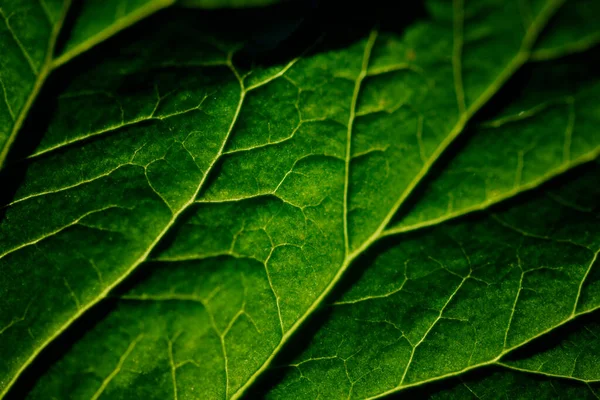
157,175
18,101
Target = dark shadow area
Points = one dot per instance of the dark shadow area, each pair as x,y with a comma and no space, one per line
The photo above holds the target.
329,25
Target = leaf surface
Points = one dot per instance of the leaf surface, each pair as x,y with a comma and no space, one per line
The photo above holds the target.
97,20
241,193
573,355
503,384
30,31
549,128
575,30
277,209
461,296
563,364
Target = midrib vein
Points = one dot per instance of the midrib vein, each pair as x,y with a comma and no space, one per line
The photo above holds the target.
351,118
521,57
151,247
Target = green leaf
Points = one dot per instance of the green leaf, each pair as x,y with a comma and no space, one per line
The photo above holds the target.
386,300
563,364
28,33
30,30
240,192
503,384
98,20
576,30
548,129
459,296
569,353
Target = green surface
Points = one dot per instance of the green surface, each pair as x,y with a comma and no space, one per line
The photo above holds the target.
571,353
28,33
240,191
460,296
28,36
562,365
547,129
503,384
97,20
575,30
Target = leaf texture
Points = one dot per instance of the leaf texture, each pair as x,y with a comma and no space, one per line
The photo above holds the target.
502,384
30,33
209,204
575,30
560,365
547,130
571,353
457,297
97,20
